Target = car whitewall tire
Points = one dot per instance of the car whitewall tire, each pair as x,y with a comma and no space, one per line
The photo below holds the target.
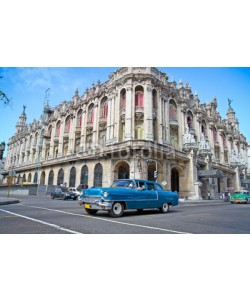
117,210
165,208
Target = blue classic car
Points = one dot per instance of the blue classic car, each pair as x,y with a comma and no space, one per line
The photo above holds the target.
127,194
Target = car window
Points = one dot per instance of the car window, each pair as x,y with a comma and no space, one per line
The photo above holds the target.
141,185
151,186
123,184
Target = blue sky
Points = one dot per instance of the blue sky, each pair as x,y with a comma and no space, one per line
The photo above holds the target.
27,86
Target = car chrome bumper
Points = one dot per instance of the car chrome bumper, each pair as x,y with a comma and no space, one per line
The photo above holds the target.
98,204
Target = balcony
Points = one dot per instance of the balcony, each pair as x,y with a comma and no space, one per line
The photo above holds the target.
173,122
139,112
123,114
103,121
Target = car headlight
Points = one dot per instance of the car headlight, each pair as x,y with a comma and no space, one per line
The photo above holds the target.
105,194
82,193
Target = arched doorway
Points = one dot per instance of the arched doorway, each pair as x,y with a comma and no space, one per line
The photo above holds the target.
123,173
175,180
51,177
98,175
72,177
42,180
60,177
122,170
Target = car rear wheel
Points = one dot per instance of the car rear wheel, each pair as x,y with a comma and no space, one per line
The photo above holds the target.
117,210
91,211
165,208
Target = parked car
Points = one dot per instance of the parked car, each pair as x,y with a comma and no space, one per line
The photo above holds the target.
127,194
62,192
74,191
241,196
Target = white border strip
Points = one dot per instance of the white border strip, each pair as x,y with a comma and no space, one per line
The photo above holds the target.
42,222
106,220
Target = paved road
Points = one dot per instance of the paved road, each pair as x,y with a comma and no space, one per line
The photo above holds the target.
39,215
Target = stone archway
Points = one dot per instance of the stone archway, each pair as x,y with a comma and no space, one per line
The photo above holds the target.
42,179
152,169
122,170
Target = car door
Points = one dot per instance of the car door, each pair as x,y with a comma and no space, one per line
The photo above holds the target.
144,196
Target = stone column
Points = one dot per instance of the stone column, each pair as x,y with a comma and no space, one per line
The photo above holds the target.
96,123
148,113
51,145
160,119
110,112
72,133
83,130
128,116
60,145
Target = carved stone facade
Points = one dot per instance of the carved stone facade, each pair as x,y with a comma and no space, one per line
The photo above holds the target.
113,128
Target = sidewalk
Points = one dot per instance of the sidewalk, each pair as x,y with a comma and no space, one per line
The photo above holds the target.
11,200
199,201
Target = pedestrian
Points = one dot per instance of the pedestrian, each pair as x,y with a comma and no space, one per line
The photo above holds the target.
209,196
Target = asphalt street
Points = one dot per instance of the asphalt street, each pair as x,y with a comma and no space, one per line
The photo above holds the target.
42,215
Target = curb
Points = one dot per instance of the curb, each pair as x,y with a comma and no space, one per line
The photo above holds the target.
9,202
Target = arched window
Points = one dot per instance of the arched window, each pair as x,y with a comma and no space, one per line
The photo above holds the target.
24,178
29,177
91,114
139,96
58,128
123,98
98,175
67,124
79,119
60,177
223,137
84,175
104,108
72,177
190,120
172,111
203,127
51,177
42,179
35,177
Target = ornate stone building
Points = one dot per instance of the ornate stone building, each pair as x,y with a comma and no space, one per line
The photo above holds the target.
135,123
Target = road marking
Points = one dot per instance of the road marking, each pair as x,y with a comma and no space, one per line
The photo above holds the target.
42,222
106,220
8,217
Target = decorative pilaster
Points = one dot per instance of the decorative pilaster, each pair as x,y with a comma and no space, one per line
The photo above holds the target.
128,116
148,113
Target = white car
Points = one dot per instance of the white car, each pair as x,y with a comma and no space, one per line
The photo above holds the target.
74,190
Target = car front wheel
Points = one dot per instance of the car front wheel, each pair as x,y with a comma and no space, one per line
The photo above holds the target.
117,210
165,208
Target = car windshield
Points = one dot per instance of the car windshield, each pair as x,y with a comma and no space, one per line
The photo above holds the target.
123,184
